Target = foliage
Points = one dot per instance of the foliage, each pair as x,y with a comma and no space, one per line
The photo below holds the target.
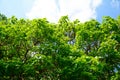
68,50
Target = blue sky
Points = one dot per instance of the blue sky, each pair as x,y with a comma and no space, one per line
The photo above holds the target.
52,9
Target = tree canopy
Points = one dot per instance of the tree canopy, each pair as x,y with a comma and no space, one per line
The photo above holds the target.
68,50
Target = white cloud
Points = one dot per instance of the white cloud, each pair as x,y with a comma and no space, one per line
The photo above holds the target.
54,9
115,3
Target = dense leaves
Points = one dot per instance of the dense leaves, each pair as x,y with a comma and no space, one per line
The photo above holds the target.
68,50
